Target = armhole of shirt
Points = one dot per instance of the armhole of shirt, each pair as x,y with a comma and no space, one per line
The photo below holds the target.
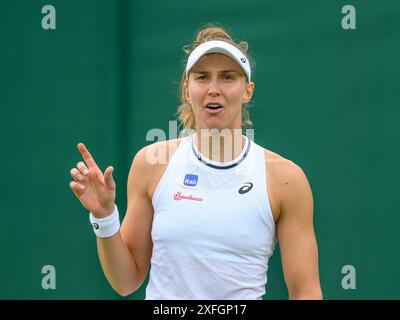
160,185
267,191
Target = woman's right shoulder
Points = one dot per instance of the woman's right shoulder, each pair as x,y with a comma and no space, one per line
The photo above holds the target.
157,154
150,163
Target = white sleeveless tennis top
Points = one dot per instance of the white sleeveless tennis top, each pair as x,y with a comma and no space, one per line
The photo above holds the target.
213,231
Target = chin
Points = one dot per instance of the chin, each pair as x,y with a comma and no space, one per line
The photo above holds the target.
215,125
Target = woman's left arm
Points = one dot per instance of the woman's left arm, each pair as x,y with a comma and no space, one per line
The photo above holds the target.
297,241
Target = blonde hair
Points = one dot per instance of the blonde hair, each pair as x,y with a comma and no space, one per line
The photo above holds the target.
185,113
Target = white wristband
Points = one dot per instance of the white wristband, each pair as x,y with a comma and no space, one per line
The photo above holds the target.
106,227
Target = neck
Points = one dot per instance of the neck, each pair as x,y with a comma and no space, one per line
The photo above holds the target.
220,145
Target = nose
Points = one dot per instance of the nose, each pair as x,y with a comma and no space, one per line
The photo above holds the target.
214,89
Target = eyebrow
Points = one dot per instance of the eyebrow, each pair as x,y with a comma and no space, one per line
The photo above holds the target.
222,71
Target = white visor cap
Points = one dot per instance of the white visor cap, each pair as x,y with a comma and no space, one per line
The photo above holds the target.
216,46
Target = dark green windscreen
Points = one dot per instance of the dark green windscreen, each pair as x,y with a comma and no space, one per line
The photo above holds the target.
326,98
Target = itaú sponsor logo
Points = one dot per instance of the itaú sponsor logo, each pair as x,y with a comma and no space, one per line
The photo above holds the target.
179,196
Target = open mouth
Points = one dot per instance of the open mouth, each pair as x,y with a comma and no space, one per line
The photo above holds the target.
213,107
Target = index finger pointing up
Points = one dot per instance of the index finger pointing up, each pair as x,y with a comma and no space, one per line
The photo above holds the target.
87,156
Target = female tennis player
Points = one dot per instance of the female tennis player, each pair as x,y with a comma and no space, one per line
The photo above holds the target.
206,220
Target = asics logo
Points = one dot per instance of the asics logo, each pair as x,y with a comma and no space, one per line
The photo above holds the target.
246,188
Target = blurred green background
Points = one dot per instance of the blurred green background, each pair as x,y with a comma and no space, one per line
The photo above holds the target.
326,98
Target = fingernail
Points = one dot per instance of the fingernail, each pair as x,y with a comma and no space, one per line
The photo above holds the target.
81,186
85,171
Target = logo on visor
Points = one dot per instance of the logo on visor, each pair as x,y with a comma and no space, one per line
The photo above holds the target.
243,60
190,180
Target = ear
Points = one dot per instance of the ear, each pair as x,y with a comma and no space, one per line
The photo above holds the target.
248,92
186,91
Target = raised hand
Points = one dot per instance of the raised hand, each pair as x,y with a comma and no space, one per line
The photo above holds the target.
95,190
